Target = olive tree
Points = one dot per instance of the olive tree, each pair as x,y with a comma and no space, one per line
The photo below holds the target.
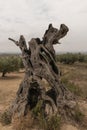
9,64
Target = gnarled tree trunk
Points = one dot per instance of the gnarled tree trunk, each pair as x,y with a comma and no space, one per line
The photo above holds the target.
39,62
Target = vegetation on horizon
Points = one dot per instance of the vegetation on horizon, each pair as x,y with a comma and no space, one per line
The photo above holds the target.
10,63
71,58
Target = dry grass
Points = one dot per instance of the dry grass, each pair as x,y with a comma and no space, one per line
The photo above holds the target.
23,123
76,73
8,88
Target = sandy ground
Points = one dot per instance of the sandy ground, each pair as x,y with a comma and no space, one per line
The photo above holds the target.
9,86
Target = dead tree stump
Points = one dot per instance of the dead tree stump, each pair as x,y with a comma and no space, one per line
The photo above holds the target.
40,63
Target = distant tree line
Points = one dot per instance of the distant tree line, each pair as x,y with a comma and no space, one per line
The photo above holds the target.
13,63
70,58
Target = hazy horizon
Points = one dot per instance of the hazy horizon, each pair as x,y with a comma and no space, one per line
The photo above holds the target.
31,19
57,51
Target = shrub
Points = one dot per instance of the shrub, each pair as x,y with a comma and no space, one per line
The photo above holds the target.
20,62
52,123
71,58
71,86
79,116
10,64
46,123
5,118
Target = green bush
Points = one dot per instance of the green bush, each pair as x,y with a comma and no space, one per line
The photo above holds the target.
9,64
5,118
70,58
20,62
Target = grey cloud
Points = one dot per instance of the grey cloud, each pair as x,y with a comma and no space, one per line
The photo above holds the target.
31,18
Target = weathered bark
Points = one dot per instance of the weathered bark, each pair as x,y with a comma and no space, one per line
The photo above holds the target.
52,36
39,62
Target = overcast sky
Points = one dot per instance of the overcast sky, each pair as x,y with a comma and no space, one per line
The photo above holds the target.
31,18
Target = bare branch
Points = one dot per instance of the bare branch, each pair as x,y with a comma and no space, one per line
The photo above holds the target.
16,42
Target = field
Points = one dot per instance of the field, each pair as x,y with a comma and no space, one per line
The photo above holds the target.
74,75
8,89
